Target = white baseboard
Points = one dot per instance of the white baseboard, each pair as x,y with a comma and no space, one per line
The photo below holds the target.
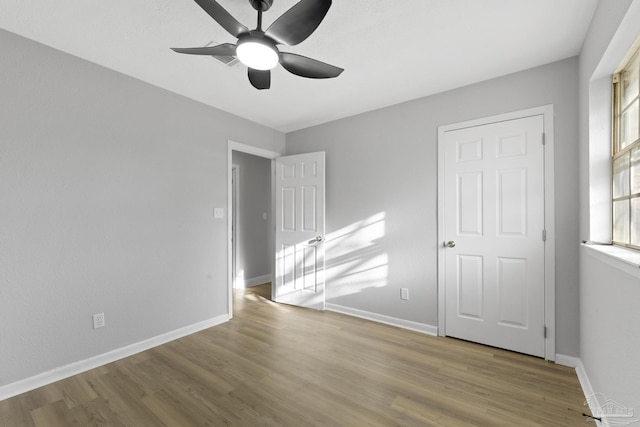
588,391
75,368
242,283
564,360
387,320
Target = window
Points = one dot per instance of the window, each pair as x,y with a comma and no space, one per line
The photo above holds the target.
626,154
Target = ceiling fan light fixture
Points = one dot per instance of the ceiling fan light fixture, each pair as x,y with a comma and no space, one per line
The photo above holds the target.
258,49
257,54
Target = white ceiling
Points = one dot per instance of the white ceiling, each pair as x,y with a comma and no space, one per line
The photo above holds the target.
392,51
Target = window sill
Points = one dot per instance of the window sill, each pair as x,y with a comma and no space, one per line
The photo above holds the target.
621,258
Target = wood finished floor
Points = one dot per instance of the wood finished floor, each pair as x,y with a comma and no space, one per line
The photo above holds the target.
277,365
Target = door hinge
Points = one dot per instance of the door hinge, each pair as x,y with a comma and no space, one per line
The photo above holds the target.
545,331
544,138
544,235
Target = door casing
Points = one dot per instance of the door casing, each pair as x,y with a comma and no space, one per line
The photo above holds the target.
549,209
233,214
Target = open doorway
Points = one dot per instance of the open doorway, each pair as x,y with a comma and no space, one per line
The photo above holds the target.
251,216
250,226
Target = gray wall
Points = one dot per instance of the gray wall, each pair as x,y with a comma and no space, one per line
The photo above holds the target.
382,168
609,290
107,187
254,246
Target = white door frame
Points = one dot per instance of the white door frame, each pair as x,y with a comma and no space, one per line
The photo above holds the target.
233,214
549,221
260,152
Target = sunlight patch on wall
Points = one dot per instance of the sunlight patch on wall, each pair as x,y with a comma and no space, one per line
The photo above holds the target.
238,282
355,260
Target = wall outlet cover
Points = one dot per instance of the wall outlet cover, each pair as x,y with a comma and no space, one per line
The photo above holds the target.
98,320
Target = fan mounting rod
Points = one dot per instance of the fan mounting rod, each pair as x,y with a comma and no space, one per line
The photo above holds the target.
261,5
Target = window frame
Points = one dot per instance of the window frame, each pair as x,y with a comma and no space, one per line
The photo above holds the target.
631,151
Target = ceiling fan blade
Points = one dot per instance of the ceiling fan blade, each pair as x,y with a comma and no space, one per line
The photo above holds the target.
307,67
297,23
226,49
260,79
222,17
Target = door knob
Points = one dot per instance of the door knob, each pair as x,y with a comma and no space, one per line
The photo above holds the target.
450,244
318,239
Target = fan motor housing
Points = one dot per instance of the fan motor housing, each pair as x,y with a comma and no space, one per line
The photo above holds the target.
261,5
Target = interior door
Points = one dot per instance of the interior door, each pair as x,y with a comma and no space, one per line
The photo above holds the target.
299,238
494,234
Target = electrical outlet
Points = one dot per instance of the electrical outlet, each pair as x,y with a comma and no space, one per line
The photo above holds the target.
218,213
404,294
98,320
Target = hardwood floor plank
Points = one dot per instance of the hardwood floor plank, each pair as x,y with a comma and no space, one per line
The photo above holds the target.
278,365
14,413
123,398
55,413
75,391
178,409
96,413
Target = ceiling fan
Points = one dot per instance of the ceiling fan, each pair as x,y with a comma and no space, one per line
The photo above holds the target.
258,50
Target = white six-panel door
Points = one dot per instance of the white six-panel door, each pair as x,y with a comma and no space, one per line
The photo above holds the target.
494,234
299,238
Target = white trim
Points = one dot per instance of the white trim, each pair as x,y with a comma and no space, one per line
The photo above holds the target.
568,361
75,368
550,227
233,214
387,320
587,389
249,149
549,212
513,115
440,216
625,260
254,281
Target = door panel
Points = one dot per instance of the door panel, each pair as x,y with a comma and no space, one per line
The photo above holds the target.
494,204
470,217
300,207
512,292
470,273
512,202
